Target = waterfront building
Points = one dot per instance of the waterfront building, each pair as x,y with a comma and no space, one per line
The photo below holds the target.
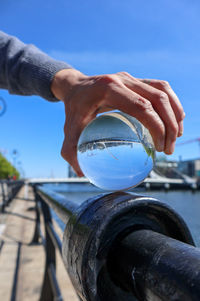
71,172
190,167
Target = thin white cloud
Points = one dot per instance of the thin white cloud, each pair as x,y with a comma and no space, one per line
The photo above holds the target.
155,60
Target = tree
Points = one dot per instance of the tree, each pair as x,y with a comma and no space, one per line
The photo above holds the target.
7,169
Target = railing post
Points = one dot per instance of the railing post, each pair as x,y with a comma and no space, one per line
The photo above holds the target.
3,197
9,192
12,188
47,293
36,234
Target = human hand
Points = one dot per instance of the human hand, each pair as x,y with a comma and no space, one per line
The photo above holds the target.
152,102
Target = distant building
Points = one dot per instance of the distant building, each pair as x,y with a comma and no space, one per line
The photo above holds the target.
167,169
71,172
166,164
190,167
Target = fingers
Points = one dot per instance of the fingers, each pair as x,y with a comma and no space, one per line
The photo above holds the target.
174,101
161,104
72,130
76,120
141,108
68,153
153,103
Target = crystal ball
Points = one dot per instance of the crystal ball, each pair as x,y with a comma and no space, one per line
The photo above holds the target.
115,151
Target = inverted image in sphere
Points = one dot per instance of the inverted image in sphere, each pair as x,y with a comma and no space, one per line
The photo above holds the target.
115,151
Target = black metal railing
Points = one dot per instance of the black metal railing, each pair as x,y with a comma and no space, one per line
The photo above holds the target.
118,247
51,242
8,190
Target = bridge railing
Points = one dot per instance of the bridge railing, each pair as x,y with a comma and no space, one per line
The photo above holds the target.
8,190
118,247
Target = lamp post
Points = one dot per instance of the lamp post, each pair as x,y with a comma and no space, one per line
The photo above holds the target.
15,155
21,170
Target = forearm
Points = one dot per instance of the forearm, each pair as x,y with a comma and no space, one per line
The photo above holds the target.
26,70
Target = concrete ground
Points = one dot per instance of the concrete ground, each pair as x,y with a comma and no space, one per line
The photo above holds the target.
21,263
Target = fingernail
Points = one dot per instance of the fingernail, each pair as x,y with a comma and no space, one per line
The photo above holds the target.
160,146
170,148
180,131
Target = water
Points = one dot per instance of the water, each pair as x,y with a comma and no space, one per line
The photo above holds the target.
115,164
186,203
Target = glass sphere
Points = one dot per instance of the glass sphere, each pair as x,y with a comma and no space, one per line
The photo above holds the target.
115,151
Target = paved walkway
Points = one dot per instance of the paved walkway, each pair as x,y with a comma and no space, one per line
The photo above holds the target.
22,264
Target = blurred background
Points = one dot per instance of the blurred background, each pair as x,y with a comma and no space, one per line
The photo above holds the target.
148,39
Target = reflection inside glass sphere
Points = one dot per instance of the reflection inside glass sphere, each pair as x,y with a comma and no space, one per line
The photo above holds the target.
114,155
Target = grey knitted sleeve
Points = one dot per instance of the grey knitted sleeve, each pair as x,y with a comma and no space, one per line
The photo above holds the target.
25,70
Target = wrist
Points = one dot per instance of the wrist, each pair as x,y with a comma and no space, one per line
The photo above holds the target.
64,81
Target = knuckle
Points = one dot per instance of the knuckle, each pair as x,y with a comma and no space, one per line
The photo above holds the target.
144,105
162,97
164,84
64,153
102,86
105,79
181,115
106,82
161,130
175,126
109,85
173,132
124,73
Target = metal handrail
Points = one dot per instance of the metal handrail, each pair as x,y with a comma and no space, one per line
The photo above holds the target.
119,247
51,242
8,189
153,266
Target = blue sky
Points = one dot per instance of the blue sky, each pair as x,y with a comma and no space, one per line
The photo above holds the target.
149,39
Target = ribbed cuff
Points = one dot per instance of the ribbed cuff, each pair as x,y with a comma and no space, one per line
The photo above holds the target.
39,70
